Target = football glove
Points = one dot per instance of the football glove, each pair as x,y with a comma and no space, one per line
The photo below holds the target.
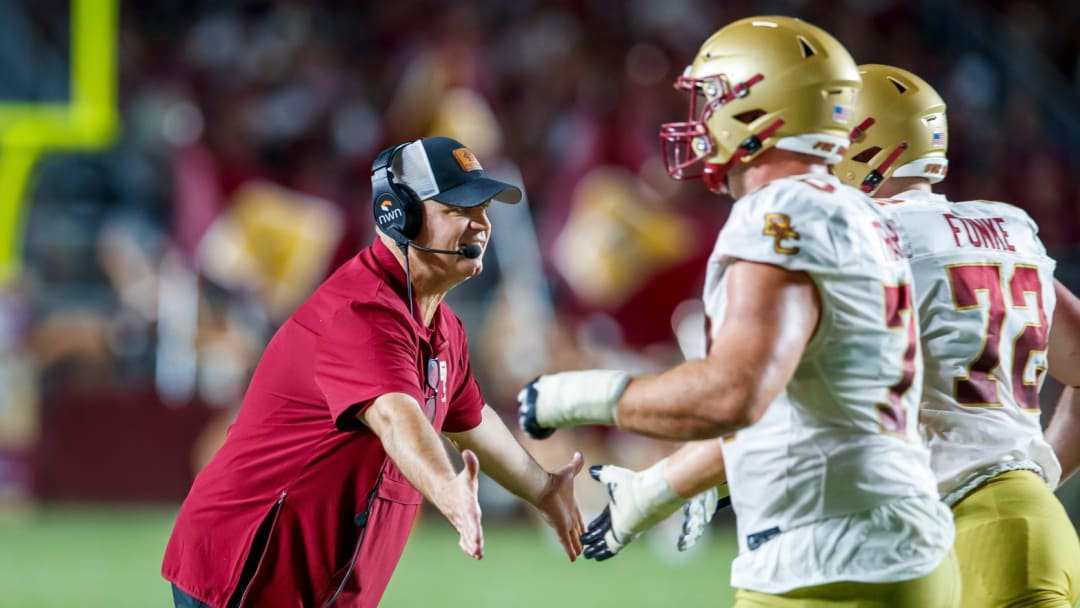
637,502
569,399
698,512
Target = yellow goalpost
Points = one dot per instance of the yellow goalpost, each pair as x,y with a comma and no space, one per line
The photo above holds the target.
88,120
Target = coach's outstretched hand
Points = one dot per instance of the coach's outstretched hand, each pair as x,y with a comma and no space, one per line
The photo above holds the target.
569,399
459,504
638,502
559,509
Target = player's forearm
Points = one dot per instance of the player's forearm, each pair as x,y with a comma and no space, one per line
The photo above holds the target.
502,458
696,467
691,401
411,442
771,316
1063,433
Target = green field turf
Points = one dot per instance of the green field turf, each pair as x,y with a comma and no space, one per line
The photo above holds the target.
521,568
93,556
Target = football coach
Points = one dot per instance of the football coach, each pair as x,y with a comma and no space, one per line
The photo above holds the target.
311,498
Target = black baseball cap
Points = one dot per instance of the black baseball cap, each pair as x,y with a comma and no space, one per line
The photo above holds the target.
444,170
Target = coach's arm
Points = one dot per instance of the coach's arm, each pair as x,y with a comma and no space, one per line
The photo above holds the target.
415,447
1064,362
507,462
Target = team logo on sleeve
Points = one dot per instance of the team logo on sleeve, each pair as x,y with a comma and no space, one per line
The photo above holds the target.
778,226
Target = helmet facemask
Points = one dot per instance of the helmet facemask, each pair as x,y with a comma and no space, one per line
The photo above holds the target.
686,144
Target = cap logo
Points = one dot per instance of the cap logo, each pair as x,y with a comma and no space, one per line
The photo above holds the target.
467,160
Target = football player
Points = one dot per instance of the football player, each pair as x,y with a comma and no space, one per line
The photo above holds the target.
985,293
813,373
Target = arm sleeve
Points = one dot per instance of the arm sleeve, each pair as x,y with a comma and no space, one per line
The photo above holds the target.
466,402
786,225
367,352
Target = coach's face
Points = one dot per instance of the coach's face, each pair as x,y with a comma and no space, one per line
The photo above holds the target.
452,228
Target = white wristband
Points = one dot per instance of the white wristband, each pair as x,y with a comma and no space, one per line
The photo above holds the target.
573,398
653,499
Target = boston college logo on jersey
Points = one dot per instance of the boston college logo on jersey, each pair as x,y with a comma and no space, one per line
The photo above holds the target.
778,226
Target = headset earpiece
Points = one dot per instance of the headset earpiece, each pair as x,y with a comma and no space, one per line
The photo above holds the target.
396,208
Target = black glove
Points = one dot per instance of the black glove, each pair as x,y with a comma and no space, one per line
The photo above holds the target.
527,412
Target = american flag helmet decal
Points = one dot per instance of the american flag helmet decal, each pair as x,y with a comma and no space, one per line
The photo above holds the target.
841,113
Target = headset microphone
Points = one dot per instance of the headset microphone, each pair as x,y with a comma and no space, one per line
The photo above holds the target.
470,251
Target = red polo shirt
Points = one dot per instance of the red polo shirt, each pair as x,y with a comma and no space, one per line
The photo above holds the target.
298,463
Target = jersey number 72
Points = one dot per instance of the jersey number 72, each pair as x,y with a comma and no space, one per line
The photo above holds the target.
979,388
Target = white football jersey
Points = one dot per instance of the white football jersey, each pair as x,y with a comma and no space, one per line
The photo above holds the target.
833,483
984,288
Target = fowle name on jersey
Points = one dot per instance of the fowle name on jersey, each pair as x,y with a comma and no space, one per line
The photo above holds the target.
983,233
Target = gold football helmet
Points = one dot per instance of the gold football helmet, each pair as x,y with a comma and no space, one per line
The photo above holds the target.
901,132
757,83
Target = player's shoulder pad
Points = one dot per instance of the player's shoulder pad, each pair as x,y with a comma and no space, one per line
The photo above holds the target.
788,223
898,205
910,213
999,207
1003,209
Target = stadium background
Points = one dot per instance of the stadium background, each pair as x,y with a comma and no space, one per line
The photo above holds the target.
176,176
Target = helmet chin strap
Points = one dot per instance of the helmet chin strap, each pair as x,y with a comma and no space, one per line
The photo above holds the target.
875,177
715,173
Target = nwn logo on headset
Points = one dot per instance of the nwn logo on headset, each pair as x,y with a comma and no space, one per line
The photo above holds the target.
388,212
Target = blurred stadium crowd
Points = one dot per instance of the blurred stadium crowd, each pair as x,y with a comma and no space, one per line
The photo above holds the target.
156,270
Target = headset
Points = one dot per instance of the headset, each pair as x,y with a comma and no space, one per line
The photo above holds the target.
399,213
397,209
